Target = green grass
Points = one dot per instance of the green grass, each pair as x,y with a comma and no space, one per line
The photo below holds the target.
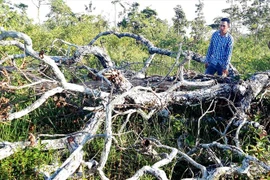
24,163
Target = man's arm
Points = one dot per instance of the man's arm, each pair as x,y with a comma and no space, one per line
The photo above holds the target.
209,51
228,54
228,57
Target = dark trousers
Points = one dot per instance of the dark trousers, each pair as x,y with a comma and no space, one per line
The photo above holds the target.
212,69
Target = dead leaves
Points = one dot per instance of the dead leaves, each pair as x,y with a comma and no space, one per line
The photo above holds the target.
117,78
32,139
4,107
60,100
114,76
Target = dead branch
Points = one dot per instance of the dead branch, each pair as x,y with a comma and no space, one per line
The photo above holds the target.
141,73
33,106
247,158
155,50
72,163
108,141
154,169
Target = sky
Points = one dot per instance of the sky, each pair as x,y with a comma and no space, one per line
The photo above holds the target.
164,8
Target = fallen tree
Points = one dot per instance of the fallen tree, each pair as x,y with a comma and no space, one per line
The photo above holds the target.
118,93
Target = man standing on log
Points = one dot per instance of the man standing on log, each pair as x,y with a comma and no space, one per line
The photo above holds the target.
220,50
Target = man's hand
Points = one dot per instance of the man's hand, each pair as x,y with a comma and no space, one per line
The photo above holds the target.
225,72
206,65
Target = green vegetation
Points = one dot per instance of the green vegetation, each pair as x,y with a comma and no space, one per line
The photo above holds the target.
23,164
251,54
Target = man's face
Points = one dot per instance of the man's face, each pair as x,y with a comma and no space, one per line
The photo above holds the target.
224,26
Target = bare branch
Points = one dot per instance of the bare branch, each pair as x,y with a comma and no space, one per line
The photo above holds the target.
72,163
141,73
108,140
151,48
194,163
33,106
239,152
154,169
199,120
5,85
158,173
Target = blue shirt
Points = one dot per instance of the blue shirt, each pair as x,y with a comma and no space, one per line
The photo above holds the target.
220,50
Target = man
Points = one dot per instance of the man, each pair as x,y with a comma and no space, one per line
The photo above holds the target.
220,50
